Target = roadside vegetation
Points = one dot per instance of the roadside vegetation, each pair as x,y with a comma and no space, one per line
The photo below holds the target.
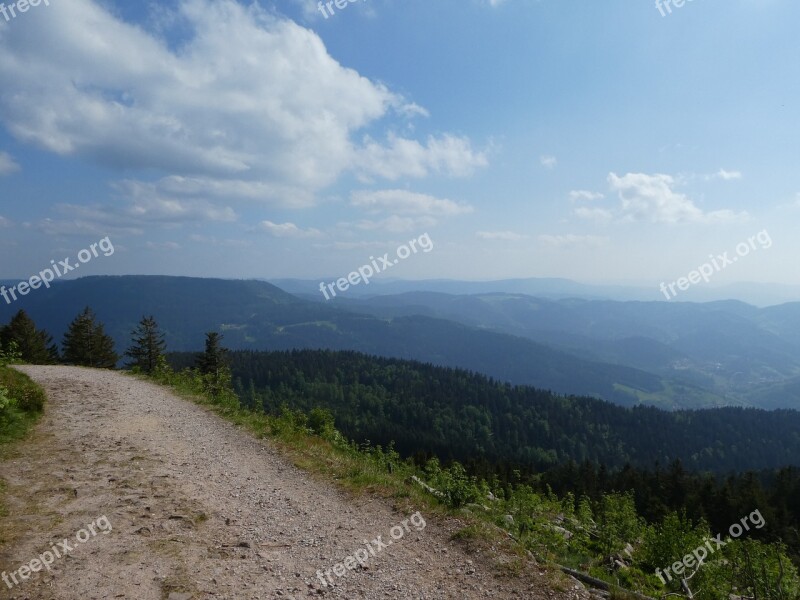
606,540
21,400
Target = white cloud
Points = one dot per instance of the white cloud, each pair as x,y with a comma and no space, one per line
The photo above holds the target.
146,202
727,175
501,235
548,162
652,198
138,207
287,230
570,239
401,157
4,222
7,164
405,202
220,118
580,195
233,189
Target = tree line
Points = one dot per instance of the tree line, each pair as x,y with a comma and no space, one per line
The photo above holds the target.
459,415
86,344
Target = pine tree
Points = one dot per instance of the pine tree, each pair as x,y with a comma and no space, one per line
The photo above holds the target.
87,344
148,345
35,346
213,365
213,359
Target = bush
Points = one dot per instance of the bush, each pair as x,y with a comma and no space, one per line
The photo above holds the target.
7,404
21,402
9,354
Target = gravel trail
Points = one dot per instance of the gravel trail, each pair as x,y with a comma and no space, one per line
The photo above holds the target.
199,509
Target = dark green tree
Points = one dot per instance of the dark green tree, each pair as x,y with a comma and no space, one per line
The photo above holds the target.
148,346
213,365
35,346
87,344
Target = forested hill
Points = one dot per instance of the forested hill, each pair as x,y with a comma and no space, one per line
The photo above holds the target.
453,413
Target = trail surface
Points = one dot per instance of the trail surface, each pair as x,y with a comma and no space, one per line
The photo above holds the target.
200,510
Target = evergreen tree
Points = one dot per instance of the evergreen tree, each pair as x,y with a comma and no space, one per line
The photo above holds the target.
213,365
213,359
87,344
35,346
148,345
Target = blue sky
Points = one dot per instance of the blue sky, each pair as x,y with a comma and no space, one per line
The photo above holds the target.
598,141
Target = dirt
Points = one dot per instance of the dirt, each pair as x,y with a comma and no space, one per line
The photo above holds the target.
157,498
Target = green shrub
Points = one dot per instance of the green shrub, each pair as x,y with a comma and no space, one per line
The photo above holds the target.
21,403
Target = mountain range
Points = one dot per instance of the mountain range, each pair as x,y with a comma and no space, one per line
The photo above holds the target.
670,355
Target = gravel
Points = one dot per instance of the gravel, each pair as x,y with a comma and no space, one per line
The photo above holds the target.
201,509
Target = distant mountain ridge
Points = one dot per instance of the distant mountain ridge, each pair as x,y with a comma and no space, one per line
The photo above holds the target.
730,348
255,315
757,294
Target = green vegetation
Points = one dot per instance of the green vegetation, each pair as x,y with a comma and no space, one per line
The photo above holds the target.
86,343
489,425
148,346
35,346
21,401
603,534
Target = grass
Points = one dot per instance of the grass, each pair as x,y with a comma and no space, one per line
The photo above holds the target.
21,405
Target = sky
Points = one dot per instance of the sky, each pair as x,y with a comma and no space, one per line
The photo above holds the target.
603,141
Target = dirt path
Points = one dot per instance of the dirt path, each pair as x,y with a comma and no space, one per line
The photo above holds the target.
200,510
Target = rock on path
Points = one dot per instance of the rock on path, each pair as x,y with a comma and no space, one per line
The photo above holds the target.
200,509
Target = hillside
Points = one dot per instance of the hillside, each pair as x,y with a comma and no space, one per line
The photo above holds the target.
256,315
729,348
429,410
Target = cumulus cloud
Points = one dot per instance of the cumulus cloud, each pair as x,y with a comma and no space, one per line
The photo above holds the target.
401,157
650,198
249,106
4,222
137,207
